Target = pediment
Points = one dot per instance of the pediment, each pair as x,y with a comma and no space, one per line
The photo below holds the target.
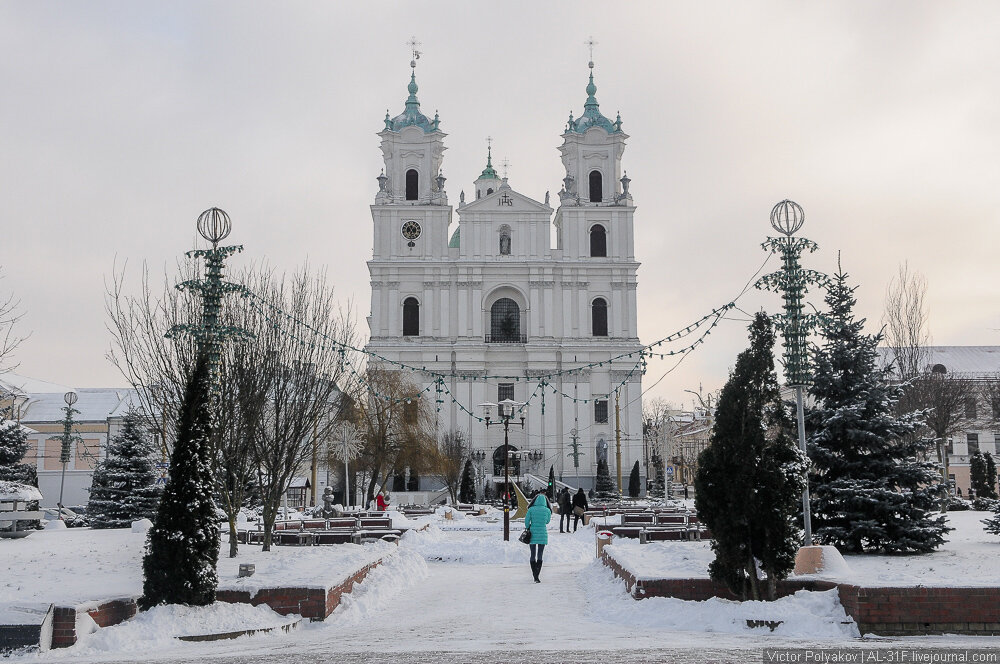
503,200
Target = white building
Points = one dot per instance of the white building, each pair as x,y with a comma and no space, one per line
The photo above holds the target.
501,312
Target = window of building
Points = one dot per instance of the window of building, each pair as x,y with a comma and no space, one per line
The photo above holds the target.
599,317
601,411
596,187
412,180
972,440
410,412
505,391
411,317
970,408
505,321
598,242
489,190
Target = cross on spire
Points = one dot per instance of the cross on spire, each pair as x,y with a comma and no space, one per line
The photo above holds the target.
413,44
505,165
591,44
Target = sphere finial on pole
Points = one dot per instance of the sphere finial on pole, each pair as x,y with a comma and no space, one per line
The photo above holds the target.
214,225
787,217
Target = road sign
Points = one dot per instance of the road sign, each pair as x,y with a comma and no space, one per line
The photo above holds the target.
670,471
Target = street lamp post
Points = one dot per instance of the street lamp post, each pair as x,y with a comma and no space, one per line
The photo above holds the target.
67,441
505,411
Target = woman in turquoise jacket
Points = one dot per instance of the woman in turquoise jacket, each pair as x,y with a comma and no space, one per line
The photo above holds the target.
537,520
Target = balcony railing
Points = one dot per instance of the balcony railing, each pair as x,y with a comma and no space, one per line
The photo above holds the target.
506,338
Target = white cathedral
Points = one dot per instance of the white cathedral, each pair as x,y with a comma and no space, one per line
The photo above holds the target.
502,313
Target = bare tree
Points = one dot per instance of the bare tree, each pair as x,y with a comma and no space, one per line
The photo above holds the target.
944,400
396,427
453,453
301,365
905,320
276,389
10,314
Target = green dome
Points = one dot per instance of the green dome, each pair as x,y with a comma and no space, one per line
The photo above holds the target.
455,241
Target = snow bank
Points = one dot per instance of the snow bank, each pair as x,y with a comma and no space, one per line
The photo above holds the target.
662,560
157,629
141,526
17,491
299,566
382,585
805,614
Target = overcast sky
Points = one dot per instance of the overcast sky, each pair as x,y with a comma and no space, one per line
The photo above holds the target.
122,121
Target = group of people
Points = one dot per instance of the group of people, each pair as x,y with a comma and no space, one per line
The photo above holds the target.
539,514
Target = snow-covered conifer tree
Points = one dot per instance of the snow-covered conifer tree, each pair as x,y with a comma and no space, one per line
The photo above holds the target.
991,476
467,490
183,548
751,476
124,487
13,447
871,488
977,475
634,487
605,486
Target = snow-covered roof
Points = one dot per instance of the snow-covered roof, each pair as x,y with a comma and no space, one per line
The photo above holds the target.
18,491
6,424
299,483
13,383
967,360
96,404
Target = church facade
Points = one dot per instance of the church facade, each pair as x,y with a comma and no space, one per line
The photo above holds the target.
488,307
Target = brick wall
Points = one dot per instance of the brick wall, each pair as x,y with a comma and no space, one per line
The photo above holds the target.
888,611
107,613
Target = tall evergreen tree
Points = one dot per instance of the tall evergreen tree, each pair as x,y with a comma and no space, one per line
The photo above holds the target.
977,475
183,548
633,481
870,490
991,476
467,490
605,486
751,476
124,487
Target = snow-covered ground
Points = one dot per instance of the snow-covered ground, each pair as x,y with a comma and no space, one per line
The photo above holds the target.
77,565
969,558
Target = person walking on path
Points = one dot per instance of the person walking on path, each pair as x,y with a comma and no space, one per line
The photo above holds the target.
565,508
537,520
579,507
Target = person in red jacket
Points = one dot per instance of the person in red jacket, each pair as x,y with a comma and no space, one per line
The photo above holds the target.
380,502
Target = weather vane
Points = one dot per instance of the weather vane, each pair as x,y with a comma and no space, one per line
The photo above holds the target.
591,44
413,44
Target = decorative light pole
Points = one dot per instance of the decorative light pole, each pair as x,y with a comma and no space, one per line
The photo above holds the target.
213,225
349,441
792,282
67,439
505,411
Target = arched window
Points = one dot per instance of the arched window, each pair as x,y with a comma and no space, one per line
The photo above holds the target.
412,180
505,322
598,241
489,190
596,187
599,317
411,317
505,240
513,461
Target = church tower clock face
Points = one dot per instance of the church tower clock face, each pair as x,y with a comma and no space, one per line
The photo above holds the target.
411,230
